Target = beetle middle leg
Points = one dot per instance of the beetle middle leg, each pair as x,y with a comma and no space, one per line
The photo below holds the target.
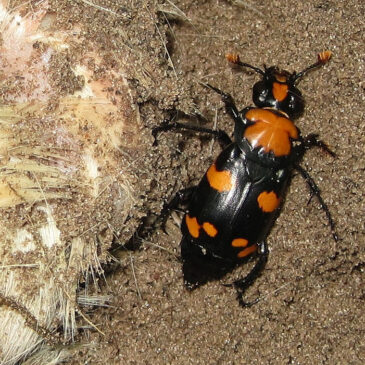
306,143
168,125
316,191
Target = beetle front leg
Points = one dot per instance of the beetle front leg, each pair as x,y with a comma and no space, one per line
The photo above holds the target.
312,141
228,103
307,143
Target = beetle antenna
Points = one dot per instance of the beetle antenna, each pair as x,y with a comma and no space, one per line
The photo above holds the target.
323,58
235,59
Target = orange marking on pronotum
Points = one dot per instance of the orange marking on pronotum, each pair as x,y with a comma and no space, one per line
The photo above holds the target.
239,242
280,91
270,131
210,229
247,251
219,180
193,226
268,201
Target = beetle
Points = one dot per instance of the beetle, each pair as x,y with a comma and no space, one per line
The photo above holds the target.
232,210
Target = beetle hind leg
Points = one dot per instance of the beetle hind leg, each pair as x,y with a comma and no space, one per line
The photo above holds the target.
182,197
243,284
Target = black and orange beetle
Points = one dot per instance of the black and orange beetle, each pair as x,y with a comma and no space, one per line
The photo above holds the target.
230,213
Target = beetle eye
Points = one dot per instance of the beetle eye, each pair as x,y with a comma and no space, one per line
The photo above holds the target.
291,103
260,93
263,95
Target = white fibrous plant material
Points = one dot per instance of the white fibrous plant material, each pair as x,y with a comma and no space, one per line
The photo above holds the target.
61,178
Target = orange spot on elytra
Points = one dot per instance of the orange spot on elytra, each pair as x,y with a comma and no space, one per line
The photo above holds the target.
239,242
219,180
193,226
210,229
280,91
268,201
270,131
247,251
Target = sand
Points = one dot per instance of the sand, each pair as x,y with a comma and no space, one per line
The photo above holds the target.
312,289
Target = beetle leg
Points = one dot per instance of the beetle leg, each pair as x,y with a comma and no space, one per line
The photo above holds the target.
181,197
242,284
316,191
228,103
312,141
166,125
147,227
308,142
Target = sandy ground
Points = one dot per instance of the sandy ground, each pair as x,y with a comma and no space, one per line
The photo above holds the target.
312,290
